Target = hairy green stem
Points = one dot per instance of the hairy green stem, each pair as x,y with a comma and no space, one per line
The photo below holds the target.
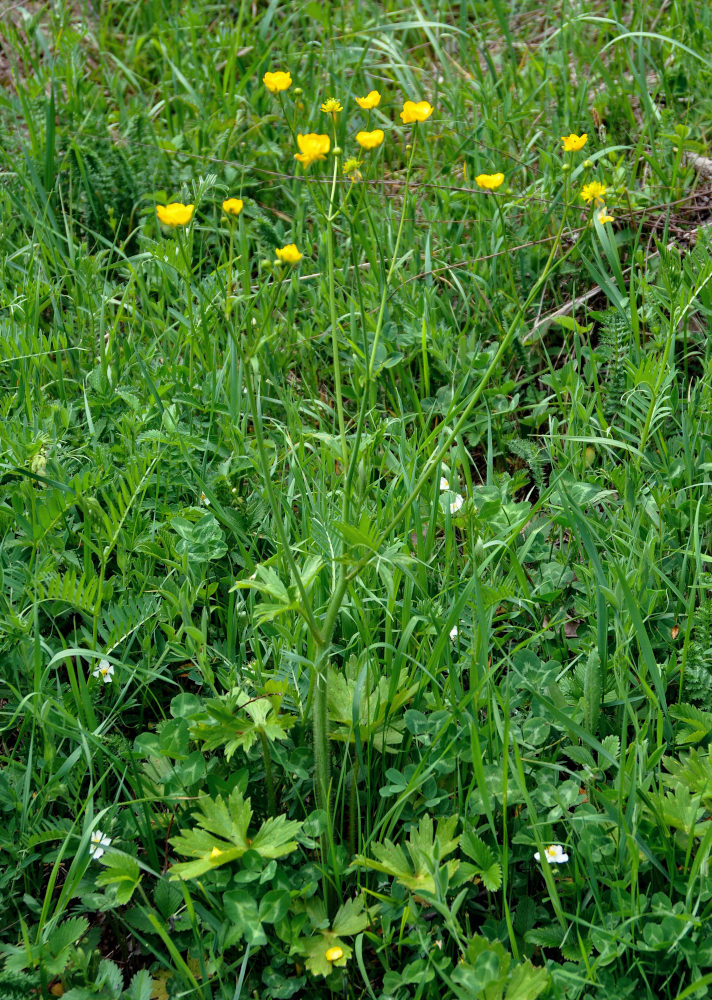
391,269
331,215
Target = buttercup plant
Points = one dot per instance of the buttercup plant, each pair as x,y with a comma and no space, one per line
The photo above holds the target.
314,147
334,685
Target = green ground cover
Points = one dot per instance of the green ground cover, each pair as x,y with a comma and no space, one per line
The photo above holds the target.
356,598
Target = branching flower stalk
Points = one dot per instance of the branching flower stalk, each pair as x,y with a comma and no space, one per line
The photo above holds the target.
322,635
391,269
185,248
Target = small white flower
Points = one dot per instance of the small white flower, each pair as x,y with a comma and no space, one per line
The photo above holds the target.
105,670
204,500
98,844
453,633
457,503
444,483
554,855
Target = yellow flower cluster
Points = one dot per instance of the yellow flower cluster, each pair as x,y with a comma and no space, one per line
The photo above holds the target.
176,214
314,146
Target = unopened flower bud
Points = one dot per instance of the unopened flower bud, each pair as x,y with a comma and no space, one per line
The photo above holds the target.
337,151
297,91
565,167
588,164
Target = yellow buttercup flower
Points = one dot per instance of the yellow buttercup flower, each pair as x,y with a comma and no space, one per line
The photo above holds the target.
312,147
370,140
593,191
371,100
334,954
332,105
274,82
288,254
572,143
604,217
489,181
175,214
233,206
416,111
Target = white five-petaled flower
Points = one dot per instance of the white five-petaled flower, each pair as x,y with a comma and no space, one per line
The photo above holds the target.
554,854
204,500
444,484
453,633
457,503
98,844
105,670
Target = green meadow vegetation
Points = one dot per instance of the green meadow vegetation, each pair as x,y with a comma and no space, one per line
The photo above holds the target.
355,504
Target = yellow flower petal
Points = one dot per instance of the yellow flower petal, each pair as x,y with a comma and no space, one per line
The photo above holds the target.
370,140
572,143
312,147
289,254
604,217
416,112
233,206
274,82
489,181
334,954
175,214
371,100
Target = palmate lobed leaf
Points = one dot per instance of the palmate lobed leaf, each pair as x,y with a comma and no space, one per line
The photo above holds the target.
375,711
221,836
349,920
236,721
314,951
423,846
